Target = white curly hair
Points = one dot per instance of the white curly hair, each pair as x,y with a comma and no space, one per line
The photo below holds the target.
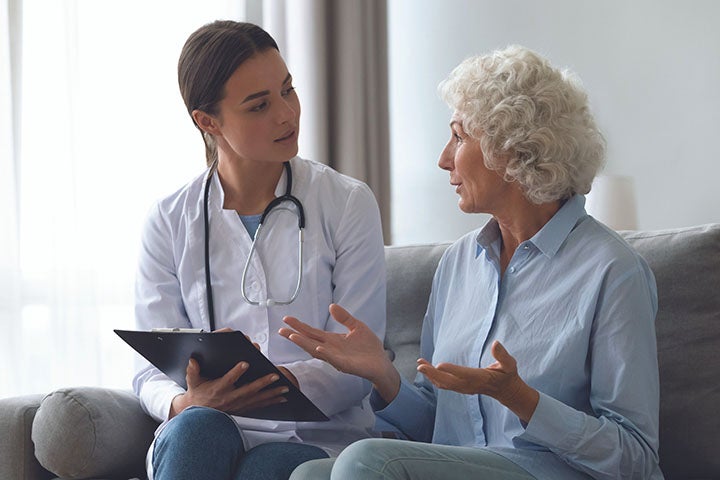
532,120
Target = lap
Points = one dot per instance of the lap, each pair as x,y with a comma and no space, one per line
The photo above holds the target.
206,443
398,459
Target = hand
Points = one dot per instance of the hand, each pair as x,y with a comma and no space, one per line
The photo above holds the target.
499,381
359,352
222,394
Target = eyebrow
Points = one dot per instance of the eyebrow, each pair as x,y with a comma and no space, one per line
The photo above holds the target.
262,93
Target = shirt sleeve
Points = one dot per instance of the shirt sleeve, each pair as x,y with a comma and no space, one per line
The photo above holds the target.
158,302
620,438
359,285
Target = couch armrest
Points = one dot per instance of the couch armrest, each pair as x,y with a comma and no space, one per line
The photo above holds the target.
88,432
17,456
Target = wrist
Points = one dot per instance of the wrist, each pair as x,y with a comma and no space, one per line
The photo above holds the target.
521,399
178,404
387,383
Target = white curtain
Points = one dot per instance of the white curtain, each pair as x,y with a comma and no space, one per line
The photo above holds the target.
93,130
9,265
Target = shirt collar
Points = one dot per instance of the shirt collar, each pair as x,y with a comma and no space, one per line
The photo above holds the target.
550,237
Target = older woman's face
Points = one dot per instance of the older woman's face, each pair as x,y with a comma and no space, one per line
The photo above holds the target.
480,189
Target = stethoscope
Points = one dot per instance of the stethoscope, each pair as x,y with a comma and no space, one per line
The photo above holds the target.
274,205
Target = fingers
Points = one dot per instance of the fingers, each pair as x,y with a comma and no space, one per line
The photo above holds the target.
343,316
302,341
303,328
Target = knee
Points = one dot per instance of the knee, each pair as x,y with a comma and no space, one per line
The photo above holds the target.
200,426
363,459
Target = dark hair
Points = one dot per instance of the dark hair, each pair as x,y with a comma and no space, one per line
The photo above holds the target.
209,58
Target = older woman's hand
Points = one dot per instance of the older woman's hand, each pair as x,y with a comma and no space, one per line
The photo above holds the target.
499,380
359,351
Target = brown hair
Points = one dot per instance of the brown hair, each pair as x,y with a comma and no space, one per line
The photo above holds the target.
209,57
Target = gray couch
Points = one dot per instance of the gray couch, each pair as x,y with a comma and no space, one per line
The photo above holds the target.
99,433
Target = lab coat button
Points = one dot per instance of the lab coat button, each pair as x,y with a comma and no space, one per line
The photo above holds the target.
512,269
261,338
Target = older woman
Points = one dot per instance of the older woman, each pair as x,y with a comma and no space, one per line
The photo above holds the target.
538,345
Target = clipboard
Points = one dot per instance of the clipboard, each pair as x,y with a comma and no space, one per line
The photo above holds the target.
217,353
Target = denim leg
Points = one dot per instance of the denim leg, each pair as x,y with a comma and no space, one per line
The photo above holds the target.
377,458
200,443
275,461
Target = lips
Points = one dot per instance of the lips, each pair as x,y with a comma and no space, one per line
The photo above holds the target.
286,136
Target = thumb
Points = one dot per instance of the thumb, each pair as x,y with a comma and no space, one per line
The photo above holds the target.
192,374
500,354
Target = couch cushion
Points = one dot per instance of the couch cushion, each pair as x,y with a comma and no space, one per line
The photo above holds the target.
686,264
410,270
87,432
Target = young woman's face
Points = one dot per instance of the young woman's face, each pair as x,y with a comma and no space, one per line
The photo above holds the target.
480,189
259,117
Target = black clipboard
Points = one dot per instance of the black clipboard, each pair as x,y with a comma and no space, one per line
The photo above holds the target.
217,353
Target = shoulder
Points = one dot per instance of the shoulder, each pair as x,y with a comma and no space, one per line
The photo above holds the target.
314,176
596,251
173,207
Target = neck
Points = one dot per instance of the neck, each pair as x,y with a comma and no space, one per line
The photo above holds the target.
248,186
521,224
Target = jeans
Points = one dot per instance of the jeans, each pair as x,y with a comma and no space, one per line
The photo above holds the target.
203,443
378,458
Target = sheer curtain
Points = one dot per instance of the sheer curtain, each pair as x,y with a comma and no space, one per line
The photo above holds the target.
93,130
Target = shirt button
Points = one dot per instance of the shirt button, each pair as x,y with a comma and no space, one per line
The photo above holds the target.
526,247
512,269
261,338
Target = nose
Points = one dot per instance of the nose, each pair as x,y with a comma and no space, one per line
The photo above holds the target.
446,160
286,111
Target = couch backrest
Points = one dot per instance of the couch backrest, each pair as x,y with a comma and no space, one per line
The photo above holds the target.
686,264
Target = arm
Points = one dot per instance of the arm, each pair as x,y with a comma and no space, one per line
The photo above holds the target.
620,437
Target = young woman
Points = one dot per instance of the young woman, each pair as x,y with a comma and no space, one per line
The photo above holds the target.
202,266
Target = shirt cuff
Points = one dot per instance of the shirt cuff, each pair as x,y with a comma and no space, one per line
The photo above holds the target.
555,425
409,411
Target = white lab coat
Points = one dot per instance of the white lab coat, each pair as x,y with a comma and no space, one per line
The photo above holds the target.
343,263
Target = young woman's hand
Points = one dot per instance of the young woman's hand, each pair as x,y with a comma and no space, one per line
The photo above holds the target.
499,380
359,351
222,394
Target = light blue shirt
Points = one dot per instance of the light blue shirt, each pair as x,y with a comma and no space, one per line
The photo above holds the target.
576,308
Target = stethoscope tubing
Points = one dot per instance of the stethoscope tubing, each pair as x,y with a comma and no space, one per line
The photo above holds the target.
272,206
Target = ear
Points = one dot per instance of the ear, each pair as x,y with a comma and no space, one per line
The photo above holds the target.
206,122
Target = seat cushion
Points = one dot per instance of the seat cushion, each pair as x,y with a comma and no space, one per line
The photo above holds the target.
87,432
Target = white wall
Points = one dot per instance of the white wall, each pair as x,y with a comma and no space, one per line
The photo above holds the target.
651,68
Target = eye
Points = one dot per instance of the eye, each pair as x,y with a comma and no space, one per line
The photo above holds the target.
458,138
287,91
259,107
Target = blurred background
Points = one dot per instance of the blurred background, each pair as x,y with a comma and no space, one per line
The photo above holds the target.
93,131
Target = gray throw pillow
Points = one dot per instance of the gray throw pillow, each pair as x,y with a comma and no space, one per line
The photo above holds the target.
87,432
